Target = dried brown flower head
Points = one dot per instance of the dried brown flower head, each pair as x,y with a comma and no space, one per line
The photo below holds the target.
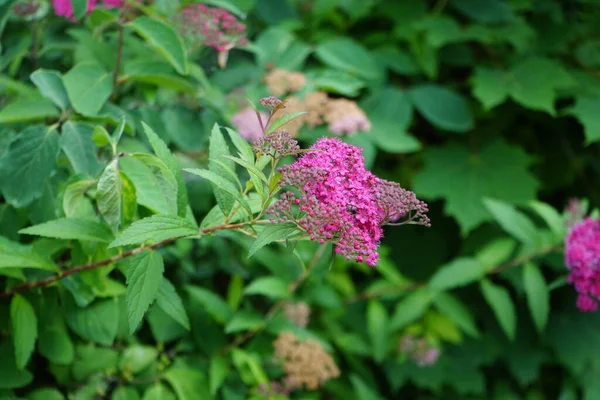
346,117
297,313
305,363
280,81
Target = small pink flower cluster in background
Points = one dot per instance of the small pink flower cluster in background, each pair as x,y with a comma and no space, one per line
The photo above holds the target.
215,27
247,124
421,352
64,8
345,117
341,202
582,258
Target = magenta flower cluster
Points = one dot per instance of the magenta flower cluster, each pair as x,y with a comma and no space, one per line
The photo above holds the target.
215,27
582,258
337,200
64,8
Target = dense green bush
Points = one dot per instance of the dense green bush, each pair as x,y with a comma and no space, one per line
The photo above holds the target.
129,209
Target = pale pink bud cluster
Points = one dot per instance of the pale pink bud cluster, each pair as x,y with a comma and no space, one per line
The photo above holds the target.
64,8
214,27
337,200
248,125
345,117
419,350
277,144
582,258
271,103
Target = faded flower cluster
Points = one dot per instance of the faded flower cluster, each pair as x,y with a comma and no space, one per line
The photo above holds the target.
337,200
280,81
213,27
64,8
297,313
418,350
305,363
582,258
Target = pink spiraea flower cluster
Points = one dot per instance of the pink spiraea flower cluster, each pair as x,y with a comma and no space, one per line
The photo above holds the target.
215,27
582,258
339,201
417,349
64,8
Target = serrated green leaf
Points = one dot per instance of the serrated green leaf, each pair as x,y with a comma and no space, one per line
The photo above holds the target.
242,145
378,329
98,322
271,233
218,151
442,107
51,86
512,221
144,275
27,109
170,302
538,297
88,86
77,143
214,305
454,309
223,184
501,304
410,308
164,39
71,228
270,286
29,161
459,272
281,121
245,321
155,229
24,329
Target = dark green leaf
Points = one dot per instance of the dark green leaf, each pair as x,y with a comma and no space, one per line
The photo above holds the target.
144,275
98,322
347,55
452,308
378,328
501,304
169,301
223,184
412,307
77,143
109,195
88,85
512,221
442,107
51,86
214,305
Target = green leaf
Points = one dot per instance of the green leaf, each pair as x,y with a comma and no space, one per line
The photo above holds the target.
459,272
10,376
349,56
552,218
158,392
157,73
162,152
442,107
55,344
51,86
271,233
279,122
485,11
212,303
71,228
80,8
218,151
28,109
218,371
242,146
29,161
129,198
338,82
189,384
164,39
270,286
585,110
24,329
411,308
89,86
155,229
490,87
378,329
116,135
135,358
125,393
494,253
497,170
170,302
46,394
512,221
222,184
538,297
453,308
109,195
499,300
77,143
245,321
98,322
75,204
144,275
19,256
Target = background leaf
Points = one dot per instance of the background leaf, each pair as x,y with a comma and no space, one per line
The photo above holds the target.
144,276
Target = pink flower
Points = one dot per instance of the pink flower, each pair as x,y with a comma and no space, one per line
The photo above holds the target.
113,3
582,258
64,8
248,125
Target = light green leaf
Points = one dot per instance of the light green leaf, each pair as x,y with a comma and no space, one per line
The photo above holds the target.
270,286
155,229
144,275
19,256
489,87
71,228
551,217
586,111
29,161
189,384
109,195
538,297
442,107
75,204
222,184
162,152
378,329
497,170
169,301
485,11
164,39
271,233
158,392
218,371
89,86
135,358
27,109
499,300
512,221
46,394
51,86
256,176
242,146
459,272
10,376
24,329
218,151
129,198
453,308
212,303
494,253
281,121
98,322
245,321
125,393
77,143
349,56
410,308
